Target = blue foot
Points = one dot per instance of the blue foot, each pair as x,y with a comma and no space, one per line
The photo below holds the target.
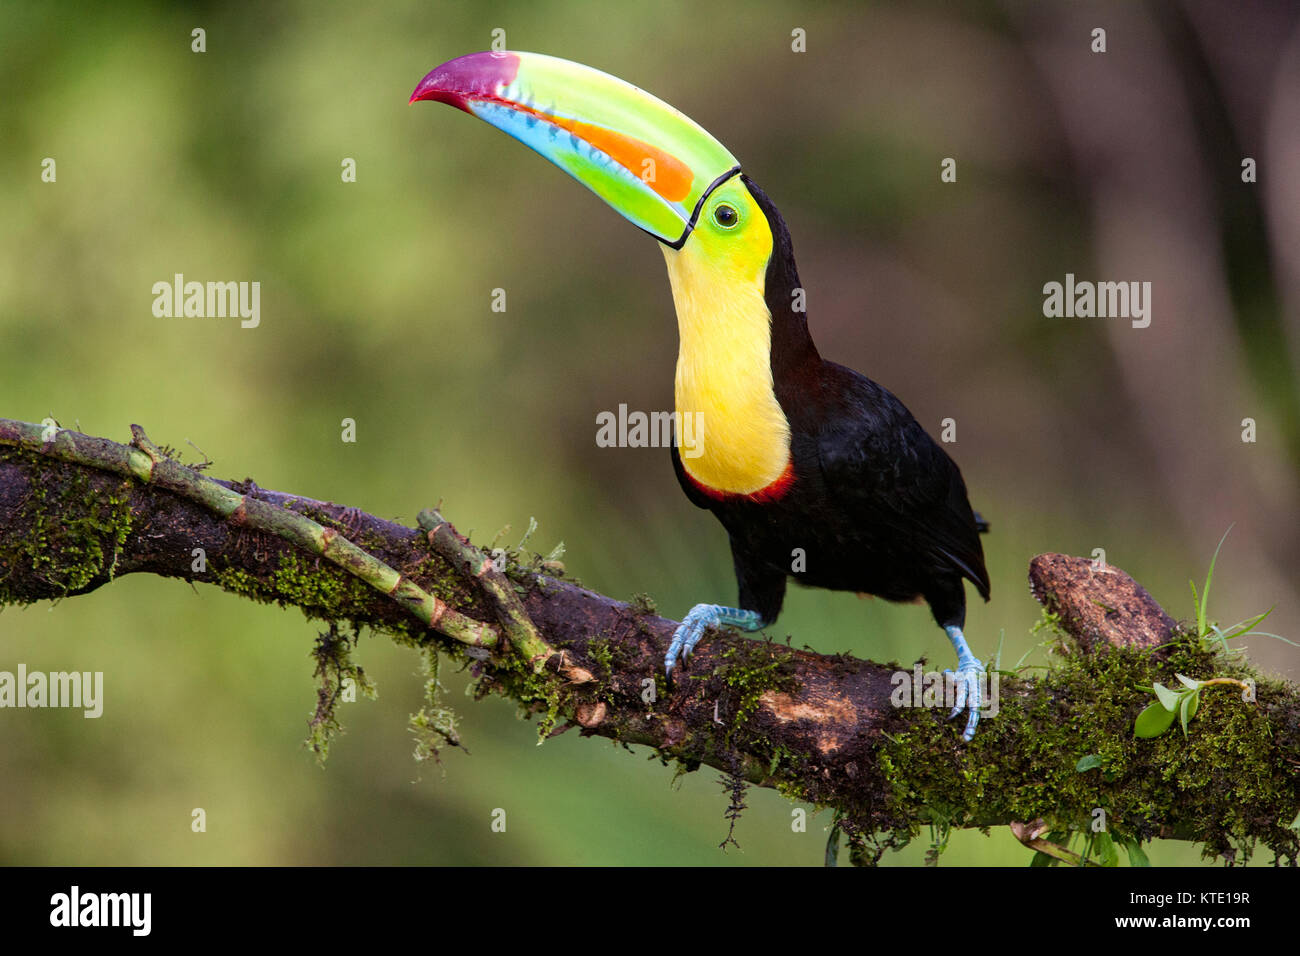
968,677
699,619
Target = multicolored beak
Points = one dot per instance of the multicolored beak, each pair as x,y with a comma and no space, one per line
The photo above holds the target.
653,164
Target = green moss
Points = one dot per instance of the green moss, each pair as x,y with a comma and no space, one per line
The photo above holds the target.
1048,623
444,583
434,725
336,673
783,761
74,530
600,653
507,674
326,592
750,669
322,590
644,603
1021,764
315,582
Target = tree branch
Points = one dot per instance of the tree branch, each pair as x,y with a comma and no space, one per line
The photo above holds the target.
870,740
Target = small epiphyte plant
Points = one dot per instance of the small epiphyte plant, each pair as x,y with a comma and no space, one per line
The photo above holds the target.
1181,704
1208,632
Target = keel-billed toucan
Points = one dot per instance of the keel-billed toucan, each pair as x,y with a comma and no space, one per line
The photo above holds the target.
816,472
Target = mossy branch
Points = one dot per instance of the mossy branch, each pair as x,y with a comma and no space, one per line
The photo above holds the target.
77,511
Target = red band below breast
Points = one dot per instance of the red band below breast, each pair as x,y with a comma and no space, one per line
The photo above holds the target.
768,493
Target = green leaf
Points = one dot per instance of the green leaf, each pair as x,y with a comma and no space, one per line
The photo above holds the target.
1188,682
1205,593
1042,859
1277,637
1168,698
1184,702
532,527
1090,762
1240,628
1194,706
833,846
1107,854
1136,856
1222,638
1153,721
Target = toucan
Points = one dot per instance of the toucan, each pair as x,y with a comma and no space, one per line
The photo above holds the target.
816,472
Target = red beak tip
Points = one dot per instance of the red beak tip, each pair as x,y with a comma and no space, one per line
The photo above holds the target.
458,81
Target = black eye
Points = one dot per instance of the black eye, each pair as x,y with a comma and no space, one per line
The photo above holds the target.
725,216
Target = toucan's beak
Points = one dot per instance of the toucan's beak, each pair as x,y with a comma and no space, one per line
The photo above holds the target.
653,164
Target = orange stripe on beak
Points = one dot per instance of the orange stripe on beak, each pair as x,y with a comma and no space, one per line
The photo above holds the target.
671,177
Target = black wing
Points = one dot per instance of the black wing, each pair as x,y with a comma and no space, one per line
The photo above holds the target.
879,462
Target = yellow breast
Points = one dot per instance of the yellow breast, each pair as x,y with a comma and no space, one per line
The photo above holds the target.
724,367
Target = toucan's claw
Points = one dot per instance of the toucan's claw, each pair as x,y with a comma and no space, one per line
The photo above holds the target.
969,678
698,620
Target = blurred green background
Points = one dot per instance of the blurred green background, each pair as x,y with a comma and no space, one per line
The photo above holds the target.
1073,434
